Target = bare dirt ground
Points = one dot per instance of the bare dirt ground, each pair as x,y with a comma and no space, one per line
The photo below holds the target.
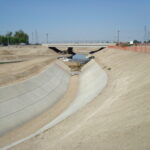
18,63
117,119
33,59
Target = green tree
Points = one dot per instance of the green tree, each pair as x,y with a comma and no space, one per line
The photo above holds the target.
0,39
21,37
17,38
3,40
136,42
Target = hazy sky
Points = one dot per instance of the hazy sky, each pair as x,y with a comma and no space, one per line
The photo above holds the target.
76,19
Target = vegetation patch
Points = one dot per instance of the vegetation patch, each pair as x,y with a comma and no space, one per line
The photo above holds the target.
14,38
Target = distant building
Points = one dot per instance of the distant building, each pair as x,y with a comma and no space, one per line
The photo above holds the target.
131,42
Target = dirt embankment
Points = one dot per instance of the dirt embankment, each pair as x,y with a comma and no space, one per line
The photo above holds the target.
26,62
117,119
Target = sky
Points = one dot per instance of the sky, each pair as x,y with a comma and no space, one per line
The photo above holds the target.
76,20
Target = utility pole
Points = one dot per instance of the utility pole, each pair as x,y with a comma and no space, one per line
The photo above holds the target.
47,38
118,36
145,33
36,37
32,38
148,36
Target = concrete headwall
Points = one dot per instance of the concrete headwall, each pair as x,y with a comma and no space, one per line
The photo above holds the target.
25,100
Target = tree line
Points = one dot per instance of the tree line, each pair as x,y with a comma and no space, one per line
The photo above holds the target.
14,38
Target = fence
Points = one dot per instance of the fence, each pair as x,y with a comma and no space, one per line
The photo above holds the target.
139,48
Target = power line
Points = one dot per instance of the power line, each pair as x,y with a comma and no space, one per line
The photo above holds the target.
148,36
145,33
118,36
47,37
32,37
36,37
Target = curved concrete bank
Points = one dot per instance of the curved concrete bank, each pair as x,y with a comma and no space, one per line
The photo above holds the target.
23,101
91,81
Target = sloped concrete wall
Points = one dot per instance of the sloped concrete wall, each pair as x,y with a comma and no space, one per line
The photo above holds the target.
25,100
92,81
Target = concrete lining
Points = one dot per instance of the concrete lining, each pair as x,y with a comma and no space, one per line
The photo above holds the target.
91,82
